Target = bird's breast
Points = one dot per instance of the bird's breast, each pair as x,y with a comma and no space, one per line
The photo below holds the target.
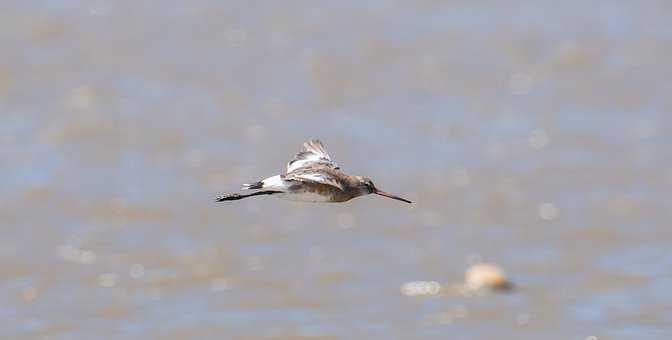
306,197
315,193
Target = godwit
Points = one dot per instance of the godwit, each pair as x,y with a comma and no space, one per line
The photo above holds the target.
312,177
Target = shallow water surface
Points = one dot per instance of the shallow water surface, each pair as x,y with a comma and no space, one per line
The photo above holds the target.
533,135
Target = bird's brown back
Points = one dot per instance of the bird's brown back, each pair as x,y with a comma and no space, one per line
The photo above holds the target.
326,181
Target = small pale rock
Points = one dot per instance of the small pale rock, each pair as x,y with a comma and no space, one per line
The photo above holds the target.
485,275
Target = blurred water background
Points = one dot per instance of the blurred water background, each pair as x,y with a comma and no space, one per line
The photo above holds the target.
531,134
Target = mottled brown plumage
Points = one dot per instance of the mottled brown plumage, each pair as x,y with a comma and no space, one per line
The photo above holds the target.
313,177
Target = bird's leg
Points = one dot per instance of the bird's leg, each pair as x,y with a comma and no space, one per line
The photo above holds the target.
236,196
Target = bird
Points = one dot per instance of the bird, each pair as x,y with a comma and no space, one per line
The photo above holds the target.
312,176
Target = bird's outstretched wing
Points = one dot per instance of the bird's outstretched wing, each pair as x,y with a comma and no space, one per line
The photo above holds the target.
315,175
313,154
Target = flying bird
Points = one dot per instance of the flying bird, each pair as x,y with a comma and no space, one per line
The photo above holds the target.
312,177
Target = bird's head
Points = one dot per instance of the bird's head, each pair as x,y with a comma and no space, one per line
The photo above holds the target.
366,187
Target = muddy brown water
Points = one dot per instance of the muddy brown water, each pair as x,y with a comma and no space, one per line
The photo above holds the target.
530,134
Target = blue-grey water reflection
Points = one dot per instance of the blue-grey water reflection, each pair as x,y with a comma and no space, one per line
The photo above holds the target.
532,135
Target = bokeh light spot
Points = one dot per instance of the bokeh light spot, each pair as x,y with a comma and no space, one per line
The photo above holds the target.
538,139
108,280
548,211
520,83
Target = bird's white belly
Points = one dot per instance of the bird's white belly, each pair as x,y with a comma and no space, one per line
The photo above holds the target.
304,197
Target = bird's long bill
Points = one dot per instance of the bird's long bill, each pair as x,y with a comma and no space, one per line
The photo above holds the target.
387,194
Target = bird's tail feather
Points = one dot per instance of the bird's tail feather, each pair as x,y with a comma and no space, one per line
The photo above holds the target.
257,185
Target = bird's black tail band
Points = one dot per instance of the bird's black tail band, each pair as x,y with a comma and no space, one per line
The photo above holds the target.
257,185
237,196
